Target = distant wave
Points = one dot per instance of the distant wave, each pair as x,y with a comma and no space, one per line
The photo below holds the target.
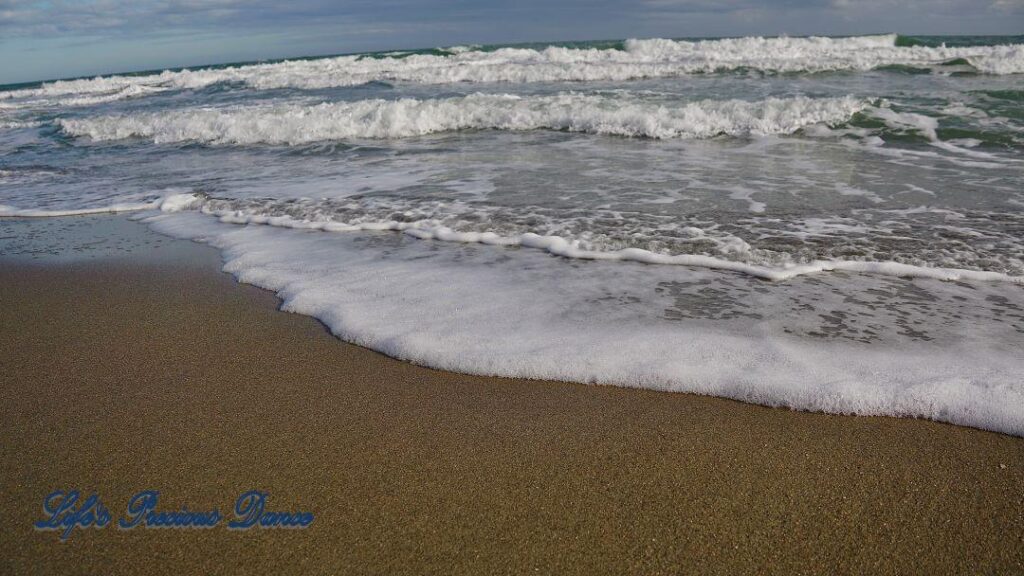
597,114
637,59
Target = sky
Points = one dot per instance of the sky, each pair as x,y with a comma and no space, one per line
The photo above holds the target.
49,39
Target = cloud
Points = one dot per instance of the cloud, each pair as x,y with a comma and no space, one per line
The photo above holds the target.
137,17
129,17
727,6
925,8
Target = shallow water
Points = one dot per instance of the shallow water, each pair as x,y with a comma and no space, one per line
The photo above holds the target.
828,224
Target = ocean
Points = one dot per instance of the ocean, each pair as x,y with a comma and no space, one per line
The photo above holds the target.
827,224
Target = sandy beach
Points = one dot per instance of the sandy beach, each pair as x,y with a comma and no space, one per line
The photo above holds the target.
150,369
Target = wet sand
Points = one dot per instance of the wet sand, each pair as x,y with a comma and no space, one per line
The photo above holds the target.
149,369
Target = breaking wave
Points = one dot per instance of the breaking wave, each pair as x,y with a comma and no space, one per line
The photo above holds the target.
597,114
636,59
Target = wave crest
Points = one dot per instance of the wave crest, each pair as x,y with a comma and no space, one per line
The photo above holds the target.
649,58
596,114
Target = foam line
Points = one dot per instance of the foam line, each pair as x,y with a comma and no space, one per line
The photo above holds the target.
174,202
12,212
559,246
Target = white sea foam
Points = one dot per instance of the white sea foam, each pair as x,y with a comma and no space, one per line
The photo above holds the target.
172,201
927,127
17,125
567,248
734,254
526,316
652,58
88,93
598,114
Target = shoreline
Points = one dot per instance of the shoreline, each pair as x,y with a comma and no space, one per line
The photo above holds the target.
154,370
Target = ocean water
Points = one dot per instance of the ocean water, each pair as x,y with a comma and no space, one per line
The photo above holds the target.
831,224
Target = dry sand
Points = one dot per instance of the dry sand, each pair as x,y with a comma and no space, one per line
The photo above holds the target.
159,372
